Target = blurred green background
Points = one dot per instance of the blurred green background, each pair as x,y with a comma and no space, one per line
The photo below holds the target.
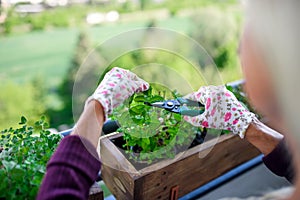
44,42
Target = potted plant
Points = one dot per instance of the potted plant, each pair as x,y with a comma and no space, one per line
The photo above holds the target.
145,158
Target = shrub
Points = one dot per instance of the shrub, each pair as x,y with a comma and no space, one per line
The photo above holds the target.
38,22
78,82
217,32
11,21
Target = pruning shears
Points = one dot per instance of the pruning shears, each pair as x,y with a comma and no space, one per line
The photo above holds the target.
180,106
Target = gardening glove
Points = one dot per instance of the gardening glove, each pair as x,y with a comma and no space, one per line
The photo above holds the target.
118,85
222,110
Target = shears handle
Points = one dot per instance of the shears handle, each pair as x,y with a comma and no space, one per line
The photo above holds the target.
191,113
189,102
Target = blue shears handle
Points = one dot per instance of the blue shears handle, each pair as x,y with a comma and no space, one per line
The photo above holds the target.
184,110
191,113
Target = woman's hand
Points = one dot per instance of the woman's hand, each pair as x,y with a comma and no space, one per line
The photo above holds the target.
117,85
222,110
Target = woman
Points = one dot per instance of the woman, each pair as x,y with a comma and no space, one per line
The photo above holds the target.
74,166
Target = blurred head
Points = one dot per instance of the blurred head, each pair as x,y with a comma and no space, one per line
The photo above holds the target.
259,86
270,57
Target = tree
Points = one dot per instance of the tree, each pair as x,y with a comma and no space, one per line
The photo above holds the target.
143,4
84,73
40,90
217,32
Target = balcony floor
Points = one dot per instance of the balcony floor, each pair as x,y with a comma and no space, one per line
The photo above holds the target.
255,182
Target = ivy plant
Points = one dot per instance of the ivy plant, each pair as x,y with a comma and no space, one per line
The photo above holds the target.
24,152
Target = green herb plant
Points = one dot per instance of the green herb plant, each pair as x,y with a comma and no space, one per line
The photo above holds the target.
152,133
24,153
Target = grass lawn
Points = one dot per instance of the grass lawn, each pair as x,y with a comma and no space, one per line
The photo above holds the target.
48,53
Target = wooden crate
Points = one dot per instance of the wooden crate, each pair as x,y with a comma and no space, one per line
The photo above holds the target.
96,192
172,178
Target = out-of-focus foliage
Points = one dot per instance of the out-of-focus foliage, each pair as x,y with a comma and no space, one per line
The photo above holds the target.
82,71
40,21
162,67
74,15
10,22
214,24
218,33
21,99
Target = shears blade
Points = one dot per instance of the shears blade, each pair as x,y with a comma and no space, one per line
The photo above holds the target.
155,104
179,106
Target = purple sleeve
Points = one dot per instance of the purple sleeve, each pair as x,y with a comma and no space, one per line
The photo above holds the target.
280,161
71,171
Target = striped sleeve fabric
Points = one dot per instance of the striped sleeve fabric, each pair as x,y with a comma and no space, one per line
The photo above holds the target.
280,161
71,171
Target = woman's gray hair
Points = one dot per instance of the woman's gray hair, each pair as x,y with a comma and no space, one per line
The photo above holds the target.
275,27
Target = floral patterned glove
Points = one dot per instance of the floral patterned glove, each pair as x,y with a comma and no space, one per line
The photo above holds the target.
222,110
118,85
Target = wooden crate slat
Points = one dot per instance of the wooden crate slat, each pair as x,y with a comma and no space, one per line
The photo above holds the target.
114,166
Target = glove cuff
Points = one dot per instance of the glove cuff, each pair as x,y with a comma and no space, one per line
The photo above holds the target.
102,102
246,121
